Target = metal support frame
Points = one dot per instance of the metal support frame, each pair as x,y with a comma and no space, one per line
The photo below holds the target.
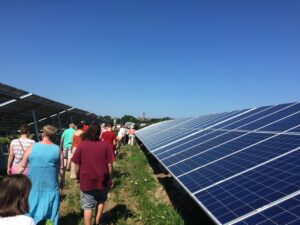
36,126
59,123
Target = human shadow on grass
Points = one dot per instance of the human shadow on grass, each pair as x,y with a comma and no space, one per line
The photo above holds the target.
62,197
116,213
71,218
118,176
189,210
121,154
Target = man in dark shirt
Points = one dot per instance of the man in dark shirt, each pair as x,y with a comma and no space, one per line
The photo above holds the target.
93,159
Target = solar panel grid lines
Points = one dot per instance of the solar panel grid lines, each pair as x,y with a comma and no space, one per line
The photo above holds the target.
239,169
247,170
191,152
196,154
289,110
255,111
184,127
193,134
261,131
269,111
189,135
168,128
294,196
292,120
236,152
160,127
296,130
199,123
211,128
247,123
256,188
188,143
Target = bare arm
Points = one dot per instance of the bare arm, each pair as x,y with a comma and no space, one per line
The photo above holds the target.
61,169
61,141
77,171
110,169
24,162
72,145
11,157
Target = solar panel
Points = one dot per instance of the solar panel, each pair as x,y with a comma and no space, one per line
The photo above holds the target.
240,167
181,129
16,108
286,212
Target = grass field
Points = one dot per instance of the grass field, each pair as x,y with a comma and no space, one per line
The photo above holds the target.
137,198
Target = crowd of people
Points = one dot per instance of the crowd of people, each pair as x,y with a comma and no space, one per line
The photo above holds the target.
36,171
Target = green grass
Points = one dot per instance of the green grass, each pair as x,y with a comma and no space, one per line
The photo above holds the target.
133,200
142,187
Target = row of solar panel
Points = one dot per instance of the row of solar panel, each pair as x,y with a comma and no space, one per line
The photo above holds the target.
233,163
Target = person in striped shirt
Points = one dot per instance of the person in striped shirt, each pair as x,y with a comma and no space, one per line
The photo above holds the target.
17,149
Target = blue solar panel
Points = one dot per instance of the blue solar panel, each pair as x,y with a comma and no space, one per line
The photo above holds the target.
286,212
160,126
186,129
246,117
237,162
260,115
296,130
195,157
188,144
284,124
254,189
273,117
237,165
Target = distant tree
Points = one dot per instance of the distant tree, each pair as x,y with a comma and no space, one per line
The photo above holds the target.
156,120
100,119
105,119
129,118
117,121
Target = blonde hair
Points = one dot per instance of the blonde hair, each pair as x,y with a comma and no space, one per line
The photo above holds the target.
49,131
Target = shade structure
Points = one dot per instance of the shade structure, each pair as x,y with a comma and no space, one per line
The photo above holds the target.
18,106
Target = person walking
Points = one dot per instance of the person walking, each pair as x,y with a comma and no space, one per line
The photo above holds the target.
109,137
46,161
131,134
66,143
93,166
17,149
76,139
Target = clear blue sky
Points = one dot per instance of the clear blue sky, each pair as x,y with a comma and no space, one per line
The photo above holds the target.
161,57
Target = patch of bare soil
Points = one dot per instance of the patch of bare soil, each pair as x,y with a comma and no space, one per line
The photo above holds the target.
161,193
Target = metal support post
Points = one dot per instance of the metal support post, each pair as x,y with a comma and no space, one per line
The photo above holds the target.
59,123
36,126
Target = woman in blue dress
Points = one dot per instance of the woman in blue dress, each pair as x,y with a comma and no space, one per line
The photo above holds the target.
45,159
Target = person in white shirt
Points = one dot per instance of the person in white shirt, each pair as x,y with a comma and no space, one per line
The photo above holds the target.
14,192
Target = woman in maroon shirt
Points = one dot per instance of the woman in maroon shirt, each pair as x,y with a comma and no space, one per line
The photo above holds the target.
93,159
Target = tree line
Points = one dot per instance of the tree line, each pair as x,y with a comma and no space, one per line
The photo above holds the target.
129,118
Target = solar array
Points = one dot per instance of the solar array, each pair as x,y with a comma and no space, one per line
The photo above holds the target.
241,167
16,107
